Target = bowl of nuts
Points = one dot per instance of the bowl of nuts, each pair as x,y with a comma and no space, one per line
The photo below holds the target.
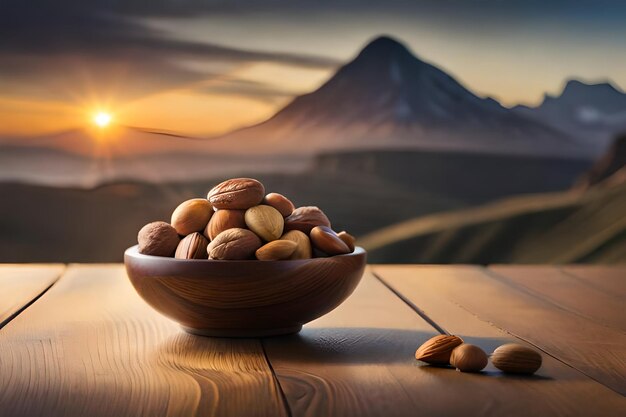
242,263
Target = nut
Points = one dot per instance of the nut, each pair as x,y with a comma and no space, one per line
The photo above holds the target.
325,239
305,219
237,193
223,220
468,358
516,359
265,221
303,249
280,203
348,239
193,246
437,350
158,239
234,244
276,250
192,216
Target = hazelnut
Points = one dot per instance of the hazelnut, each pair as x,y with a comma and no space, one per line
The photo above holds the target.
192,216
468,358
280,203
158,239
223,220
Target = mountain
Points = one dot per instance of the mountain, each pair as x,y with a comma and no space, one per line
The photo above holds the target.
556,228
388,98
595,112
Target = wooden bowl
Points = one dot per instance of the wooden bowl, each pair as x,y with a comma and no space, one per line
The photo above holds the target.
244,298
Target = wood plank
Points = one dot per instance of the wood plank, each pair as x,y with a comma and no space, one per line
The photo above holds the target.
359,361
92,347
346,363
610,279
565,292
21,284
595,350
556,389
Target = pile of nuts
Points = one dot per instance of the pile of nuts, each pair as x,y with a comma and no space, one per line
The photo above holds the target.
446,350
238,221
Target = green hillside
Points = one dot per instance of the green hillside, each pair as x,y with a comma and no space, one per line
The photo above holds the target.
566,227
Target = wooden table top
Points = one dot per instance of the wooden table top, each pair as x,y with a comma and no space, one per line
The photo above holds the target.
78,341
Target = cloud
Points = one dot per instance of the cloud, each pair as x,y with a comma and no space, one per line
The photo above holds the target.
53,48
246,88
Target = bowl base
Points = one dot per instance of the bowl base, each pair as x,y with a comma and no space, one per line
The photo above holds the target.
243,332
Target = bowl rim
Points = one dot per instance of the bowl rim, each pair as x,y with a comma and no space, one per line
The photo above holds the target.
133,252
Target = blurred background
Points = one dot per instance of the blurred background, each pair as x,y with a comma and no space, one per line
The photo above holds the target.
436,131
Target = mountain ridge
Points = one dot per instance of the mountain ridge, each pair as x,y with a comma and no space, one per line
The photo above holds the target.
386,96
594,112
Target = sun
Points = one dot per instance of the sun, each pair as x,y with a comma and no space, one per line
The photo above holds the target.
102,119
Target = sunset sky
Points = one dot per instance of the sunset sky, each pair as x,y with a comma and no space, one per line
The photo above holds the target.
205,67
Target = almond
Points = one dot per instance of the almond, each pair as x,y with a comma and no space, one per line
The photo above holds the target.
276,250
437,350
304,249
193,246
265,221
516,359
325,239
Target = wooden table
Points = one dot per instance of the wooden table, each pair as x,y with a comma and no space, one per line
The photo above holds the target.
78,341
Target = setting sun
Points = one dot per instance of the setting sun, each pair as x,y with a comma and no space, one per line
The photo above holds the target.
102,119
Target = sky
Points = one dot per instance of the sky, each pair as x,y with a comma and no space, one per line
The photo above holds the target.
205,67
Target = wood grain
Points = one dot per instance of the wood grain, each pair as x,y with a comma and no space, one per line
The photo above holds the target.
609,279
556,389
244,298
91,347
566,292
21,284
596,350
359,361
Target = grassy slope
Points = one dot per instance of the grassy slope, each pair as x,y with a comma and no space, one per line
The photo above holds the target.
544,228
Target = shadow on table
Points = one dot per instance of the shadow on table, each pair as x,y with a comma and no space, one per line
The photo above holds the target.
365,346
357,344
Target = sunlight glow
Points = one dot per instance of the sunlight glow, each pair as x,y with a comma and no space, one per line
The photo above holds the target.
102,119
